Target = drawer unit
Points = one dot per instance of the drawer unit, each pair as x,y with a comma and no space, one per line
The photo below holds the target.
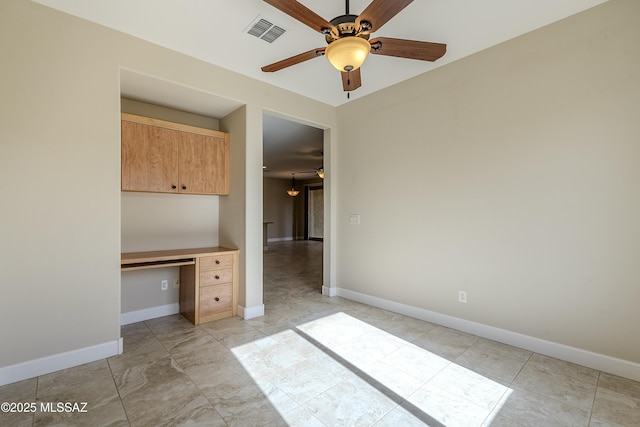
212,293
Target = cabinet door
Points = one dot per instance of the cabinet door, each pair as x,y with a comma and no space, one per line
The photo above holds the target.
204,164
149,158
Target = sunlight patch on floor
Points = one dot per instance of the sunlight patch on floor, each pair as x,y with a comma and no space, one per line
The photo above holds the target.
342,370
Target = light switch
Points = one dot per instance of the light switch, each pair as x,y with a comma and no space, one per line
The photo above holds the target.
354,219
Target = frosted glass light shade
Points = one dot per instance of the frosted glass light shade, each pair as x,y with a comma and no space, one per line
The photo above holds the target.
348,53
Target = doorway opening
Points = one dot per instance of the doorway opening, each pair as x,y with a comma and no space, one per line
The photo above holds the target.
293,224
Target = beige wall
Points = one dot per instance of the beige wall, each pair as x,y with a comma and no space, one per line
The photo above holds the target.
60,165
512,174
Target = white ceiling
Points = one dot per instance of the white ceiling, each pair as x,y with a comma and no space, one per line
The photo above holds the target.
213,31
290,147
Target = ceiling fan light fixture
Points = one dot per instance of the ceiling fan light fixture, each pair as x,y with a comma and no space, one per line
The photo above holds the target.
348,53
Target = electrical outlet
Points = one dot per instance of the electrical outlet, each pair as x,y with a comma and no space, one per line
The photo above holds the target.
164,285
462,297
176,284
354,218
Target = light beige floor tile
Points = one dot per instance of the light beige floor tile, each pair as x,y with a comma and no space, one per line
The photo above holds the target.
613,407
180,342
399,380
18,392
324,330
448,409
203,351
169,325
225,328
400,416
368,349
110,414
534,410
295,341
352,402
90,384
566,369
159,391
446,342
232,341
619,384
420,363
268,360
464,383
499,421
148,350
253,405
299,417
565,389
220,378
494,360
310,377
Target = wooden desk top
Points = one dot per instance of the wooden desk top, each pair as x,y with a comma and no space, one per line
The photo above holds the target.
170,254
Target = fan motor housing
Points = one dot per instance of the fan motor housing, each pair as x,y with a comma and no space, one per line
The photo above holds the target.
345,26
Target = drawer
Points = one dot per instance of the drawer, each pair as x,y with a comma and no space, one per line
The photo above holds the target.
218,262
215,299
208,278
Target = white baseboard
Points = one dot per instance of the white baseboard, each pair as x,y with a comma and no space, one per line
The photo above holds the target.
251,312
149,313
601,362
330,292
46,365
279,239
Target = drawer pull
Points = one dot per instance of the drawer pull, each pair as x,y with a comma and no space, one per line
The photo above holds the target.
217,261
217,277
217,299
173,187
184,187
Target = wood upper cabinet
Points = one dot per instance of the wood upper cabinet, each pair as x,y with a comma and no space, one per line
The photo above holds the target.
165,157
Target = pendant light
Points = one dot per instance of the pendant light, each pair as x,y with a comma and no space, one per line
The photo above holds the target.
293,192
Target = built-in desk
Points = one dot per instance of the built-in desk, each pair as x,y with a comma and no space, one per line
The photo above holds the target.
208,279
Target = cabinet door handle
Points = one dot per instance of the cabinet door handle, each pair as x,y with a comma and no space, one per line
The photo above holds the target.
217,299
173,187
184,187
217,277
217,261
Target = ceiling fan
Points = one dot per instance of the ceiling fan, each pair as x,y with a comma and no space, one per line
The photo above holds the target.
348,41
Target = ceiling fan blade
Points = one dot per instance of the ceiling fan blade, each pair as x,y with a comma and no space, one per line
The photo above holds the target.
380,11
412,49
301,13
301,57
351,80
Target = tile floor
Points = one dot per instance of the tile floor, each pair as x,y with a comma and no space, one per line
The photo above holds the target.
319,361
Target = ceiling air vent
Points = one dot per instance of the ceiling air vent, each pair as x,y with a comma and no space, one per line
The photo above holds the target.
265,29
